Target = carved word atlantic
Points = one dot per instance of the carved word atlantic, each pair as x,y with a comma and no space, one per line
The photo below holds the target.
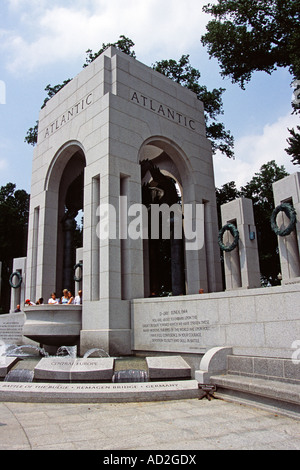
68,115
163,110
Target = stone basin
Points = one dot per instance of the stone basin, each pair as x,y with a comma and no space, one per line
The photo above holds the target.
53,325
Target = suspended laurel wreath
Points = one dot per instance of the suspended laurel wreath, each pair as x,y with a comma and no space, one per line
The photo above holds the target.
19,281
292,216
236,236
78,279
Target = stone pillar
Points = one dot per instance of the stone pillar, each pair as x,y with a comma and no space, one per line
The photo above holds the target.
195,251
18,295
116,265
287,190
177,263
242,264
79,270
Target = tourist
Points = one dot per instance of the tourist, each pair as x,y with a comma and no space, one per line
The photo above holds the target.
28,303
40,301
18,309
53,300
78,298
71,298
65,298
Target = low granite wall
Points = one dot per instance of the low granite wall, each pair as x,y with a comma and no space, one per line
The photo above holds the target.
11,327
258,322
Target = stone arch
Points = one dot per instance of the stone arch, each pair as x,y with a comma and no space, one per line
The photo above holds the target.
58,163
64,188
174,164
173,160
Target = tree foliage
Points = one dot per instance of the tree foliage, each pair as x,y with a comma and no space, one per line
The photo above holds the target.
183,73
52,90
32,133
227,193
14,211
124,44
246,36
251,35
260,190
294,146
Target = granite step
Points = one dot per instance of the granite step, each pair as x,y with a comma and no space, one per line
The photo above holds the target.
278,369
277,396
99,392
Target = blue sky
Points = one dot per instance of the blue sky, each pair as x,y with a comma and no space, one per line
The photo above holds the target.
44,42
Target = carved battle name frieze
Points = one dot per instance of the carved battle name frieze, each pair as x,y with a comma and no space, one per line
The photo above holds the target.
163,110
68,115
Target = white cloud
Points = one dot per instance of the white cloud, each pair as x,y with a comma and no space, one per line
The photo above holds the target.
4,151
50,33
253,151
3,164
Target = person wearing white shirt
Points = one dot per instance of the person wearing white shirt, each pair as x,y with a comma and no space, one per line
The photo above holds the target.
53,300
78,298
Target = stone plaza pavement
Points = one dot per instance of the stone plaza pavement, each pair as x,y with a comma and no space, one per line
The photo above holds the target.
176,425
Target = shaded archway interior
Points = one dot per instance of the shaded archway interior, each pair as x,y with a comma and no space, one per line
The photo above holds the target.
70,204
164,259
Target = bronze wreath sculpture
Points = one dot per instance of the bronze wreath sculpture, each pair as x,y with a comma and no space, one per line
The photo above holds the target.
234,232
78,279
290,213
19,282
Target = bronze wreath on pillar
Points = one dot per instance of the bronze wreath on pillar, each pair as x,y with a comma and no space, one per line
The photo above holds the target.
234,232
290,213
19,282
78,279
